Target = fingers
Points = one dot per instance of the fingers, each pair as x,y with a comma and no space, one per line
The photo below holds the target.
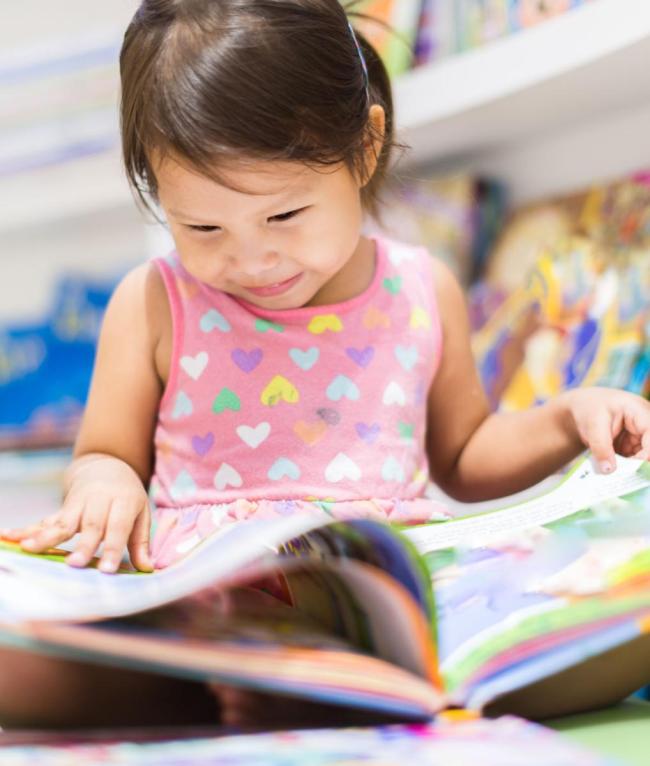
122,524
597,435
92,525
139,542
20,533
115,522
52,531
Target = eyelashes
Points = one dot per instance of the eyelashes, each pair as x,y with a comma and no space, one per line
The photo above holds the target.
280,218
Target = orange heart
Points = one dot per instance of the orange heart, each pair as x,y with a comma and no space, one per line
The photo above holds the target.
375,318
165,449
310,433
187,289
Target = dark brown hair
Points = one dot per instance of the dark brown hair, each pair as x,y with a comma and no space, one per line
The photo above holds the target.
215,80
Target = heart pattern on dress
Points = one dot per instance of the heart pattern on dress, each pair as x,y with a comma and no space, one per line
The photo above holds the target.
203,444
254,436
304,359
182,406
214,320
279,389
284,468
342,467
407,356
323,322
227,476
247,361
226,400
194,366
341,387
361,356
394,394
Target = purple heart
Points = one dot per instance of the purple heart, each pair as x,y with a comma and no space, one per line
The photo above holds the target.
419,393
361,356
285,507
247,361
368,432
203,444
330,416
188,518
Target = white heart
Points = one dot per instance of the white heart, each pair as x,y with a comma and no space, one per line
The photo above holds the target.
194,365
227,476
394,394
342,468
253,437
399,253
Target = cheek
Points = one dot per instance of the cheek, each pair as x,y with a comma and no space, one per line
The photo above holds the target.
198,259
325,247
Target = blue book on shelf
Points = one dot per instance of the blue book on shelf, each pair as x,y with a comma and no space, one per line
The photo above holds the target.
45,367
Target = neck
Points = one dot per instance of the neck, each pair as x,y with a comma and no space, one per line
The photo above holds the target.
352,279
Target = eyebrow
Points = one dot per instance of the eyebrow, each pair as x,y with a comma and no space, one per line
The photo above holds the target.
303,189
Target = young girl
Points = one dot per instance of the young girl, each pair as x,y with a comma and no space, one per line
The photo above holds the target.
279,361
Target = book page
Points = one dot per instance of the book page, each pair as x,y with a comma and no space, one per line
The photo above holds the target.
581,488
561,582
43,587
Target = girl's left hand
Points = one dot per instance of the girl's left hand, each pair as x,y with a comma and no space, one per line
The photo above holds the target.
609,421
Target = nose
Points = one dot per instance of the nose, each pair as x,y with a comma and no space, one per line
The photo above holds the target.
253,261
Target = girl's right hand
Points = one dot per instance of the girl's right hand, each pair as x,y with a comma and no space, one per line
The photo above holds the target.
106,503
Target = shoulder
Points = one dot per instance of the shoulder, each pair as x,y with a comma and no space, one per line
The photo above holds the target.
141,289
139,307
450,296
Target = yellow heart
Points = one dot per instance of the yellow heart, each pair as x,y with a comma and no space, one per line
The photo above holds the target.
375,318
420,318
323,322
310,433
419,475
279,389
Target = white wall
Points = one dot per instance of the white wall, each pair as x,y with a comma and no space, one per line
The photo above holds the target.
31,22
94,227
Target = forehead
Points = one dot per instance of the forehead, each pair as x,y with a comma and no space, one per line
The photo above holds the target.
266,180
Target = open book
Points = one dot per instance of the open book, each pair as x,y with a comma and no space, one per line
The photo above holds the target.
406,621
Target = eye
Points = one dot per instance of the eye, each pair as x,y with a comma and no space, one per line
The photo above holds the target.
205,229
286,216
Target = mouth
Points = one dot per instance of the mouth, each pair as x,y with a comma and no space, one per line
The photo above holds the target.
277,288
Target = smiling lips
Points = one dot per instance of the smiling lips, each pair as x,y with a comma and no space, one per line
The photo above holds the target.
278,288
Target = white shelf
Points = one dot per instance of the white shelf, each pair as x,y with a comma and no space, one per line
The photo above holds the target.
545,110
77,188
576,68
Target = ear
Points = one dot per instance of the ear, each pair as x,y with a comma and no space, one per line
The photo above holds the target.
375,136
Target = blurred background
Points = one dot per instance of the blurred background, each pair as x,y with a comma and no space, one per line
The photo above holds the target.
528,172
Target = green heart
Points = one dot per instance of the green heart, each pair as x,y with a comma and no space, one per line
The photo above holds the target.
405,430
393,285
226,400
263,325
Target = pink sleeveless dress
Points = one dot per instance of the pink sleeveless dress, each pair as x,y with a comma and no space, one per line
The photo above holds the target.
311,410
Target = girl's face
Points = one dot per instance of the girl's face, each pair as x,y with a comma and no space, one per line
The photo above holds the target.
278,242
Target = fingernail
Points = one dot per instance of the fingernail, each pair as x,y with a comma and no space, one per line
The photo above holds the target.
606,467
29,542
108,564
76,560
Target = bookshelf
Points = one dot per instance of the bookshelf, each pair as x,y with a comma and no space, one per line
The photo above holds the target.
546,109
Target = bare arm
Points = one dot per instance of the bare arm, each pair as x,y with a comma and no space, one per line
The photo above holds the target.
105,487
476,455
